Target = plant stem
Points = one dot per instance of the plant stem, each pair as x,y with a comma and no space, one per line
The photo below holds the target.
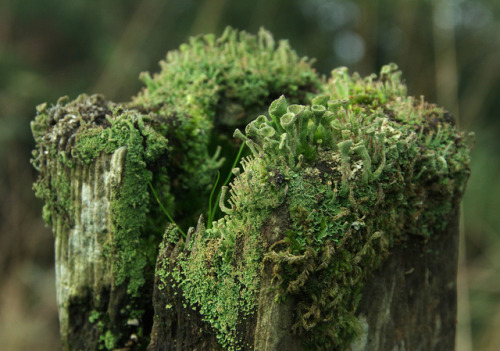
165,210
213,209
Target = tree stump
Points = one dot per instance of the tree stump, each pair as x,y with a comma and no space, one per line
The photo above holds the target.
338,230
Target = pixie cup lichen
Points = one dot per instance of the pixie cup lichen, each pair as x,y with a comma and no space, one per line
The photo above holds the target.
351,175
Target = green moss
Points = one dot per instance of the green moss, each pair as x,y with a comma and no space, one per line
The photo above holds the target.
223,275
353,170
55,201
238,70
93,127
218,83
105,131
59,201
130,205
356,176
94,316
108,340
208,82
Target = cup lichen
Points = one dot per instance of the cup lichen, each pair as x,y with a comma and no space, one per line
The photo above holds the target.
355,173
211,85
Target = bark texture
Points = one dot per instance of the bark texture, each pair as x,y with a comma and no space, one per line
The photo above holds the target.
410,303
83,274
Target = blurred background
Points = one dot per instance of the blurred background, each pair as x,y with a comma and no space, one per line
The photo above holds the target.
448,50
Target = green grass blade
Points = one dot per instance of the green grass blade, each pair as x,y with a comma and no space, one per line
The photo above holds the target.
228,178
165,210
210,212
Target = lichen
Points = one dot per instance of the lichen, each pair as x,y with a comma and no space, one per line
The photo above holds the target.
358,171
236,71
221,268
352,166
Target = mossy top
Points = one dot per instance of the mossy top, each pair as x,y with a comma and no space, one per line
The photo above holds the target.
349,176
346,167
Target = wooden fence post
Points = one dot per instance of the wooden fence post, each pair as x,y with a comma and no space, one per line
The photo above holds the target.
340,225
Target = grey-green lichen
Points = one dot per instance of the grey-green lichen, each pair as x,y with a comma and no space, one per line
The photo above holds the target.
221,265
352,165
235,71
103,128
357,171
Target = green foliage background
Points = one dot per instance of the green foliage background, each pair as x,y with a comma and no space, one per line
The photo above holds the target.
448,51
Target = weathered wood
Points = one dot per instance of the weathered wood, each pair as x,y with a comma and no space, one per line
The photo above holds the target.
340,229
93,178
410,302
180,327
84,279
385,280
176,326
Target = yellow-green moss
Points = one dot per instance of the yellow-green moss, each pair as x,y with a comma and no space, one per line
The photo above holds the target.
356,176
224,283
218,83
130,206
117,127
92,127
355,169
208,82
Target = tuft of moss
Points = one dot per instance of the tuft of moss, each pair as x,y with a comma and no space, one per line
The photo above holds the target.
91,127
215,84
73,136
211,78
357,171
220,267
352,165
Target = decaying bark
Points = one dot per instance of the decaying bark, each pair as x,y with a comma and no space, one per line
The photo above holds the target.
410,303
180,327
176,327
85,190
83,273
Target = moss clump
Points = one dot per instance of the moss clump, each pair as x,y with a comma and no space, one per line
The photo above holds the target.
53,130
226,80
346,168
134,249
93,126
221,265
355,176
219,83
72,137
